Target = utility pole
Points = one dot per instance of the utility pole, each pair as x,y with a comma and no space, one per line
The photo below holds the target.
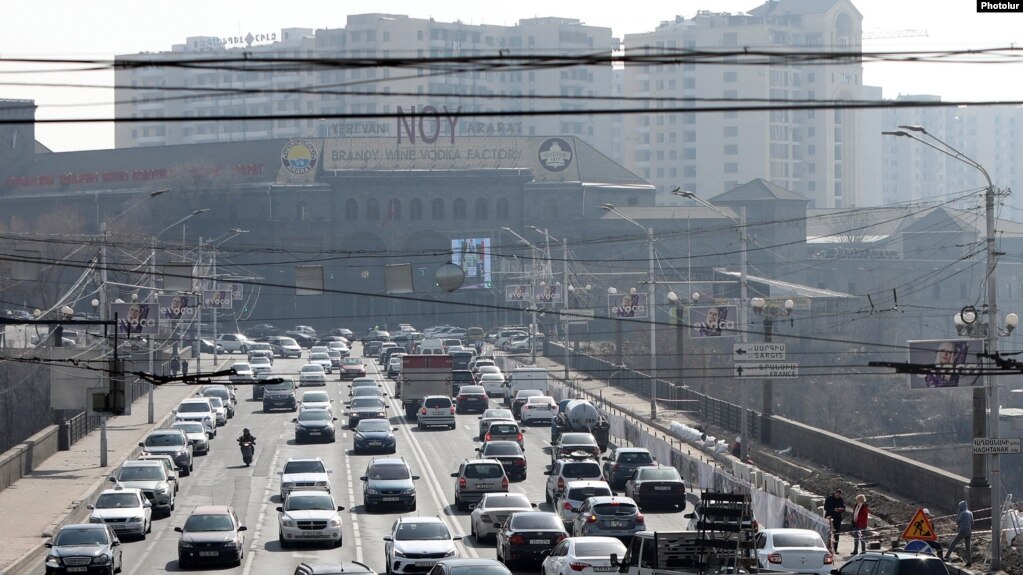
652,305
153,299
568,341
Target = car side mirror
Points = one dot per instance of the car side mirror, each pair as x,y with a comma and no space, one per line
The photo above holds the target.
415,478
689,515
575,510
454,475
535,505
363,478
178,529
394,429
497,525
142,444
115,543
457,537
47,544
605,458
147,504
242,528
112,479
522,430
340,507
334,418
90,506
546,472
280,509
480,417
294,420
388,538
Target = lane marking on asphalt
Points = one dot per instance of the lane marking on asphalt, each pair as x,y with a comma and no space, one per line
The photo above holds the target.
351,504
267,494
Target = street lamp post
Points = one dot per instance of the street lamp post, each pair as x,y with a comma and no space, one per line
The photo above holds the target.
770,313
979,481
680,331
651,304
618,332
532,293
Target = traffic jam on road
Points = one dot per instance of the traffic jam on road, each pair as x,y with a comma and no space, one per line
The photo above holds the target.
348,470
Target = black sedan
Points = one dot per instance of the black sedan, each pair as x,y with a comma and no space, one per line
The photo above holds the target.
374,435
527,536
656,485
509,454
84,548
472,398
365,408
314,425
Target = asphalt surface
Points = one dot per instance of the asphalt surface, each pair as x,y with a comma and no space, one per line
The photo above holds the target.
221,478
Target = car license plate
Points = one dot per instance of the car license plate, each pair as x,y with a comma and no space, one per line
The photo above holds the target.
425,563
662,488
615,523
605,569
538,542
390,499
484,486
311,534
375,443
119,527
77,569
209,553
311,433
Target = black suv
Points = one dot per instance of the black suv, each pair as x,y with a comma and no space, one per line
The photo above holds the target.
280,395
894,563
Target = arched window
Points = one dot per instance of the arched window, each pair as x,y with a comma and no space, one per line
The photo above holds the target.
458,209
482,207
351,210
415,209
437,209
502,209
394,209
372,210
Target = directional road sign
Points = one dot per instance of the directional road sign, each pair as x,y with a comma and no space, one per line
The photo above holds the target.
996,445
766,370
758,352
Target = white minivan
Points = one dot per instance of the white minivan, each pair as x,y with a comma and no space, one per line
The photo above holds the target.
525,378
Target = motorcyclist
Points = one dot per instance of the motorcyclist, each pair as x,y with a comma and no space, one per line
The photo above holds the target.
246,437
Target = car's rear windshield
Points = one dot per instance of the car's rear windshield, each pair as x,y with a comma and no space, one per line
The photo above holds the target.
581,493
537,521
472,390
664,473
484,471
194,407
581,469
577,439
599,548
508,500
503,429
437,402
479,570
260,346
615,508
388,472
637,457
190,427
142,473
502,449
221,393
921,566
797,540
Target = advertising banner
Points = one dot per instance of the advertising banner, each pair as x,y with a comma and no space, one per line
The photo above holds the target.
627,305
956,362
217,299
713,321
178,307
549,294
135,318
523,293
473,256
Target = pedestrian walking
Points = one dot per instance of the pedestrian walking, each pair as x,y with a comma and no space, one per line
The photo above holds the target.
964,523
834,508
175,365
184,368
860,515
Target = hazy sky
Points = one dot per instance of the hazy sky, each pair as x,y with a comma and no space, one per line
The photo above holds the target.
63,28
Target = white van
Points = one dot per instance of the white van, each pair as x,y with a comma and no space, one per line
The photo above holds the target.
524,378
432,346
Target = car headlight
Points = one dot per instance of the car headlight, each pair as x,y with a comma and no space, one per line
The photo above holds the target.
185,545
335,522
231,544
409,491
181,453
95,520
52,560
321,484
451,553
372,491
299,427
398,553
101,559
162,491
288,522
288,485
135,519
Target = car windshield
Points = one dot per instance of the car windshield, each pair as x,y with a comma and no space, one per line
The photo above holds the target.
315,397
221,393
363,383
581,493
318,356
422,532
367,402
217,522
601,549
190,427
531,521
261,360
353,361
581,469
165,440
287,341
217,402
142,473
117,501
484,471
662,473
367,392
315,415
502,449
508,501
371,425
259,347
638,457
304,467
81,536
309,502
241,367
286,385
797,540
312,368
388,472
497,414
194,407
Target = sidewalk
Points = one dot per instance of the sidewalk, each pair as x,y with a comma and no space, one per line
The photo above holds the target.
57,491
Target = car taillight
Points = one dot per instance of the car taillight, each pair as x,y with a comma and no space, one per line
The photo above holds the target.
461,483
774,558
487,437
567,506
829,559
639,518
486,397
578,566
461,398
561,483
517,540
504,483
452,410
591,519
422,411
520,462
520,436
680,488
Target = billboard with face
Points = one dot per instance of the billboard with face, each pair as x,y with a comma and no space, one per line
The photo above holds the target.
177,307
713,321
627,305
135,318
549,294
217,299
515,293
955,363
473,256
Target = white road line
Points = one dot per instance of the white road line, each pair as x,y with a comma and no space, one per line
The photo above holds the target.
351,504
267,494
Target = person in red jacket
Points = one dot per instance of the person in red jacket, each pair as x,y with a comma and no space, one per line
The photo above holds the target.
861,513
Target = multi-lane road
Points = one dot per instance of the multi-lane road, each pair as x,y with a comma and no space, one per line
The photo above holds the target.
221,478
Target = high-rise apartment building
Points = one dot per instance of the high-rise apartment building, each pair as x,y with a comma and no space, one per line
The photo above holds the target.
361,85
811,152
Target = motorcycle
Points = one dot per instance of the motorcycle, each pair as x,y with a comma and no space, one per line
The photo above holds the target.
248,450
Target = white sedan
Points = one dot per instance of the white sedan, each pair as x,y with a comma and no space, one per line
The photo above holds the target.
540,408
315,400
796,550
312,374
322,359
583,555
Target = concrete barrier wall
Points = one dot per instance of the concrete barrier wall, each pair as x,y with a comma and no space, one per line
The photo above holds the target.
915,481
21,459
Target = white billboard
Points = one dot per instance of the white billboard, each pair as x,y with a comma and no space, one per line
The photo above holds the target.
956,363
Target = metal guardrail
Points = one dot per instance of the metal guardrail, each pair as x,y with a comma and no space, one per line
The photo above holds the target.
698,406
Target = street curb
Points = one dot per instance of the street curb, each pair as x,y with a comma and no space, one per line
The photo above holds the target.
71,515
